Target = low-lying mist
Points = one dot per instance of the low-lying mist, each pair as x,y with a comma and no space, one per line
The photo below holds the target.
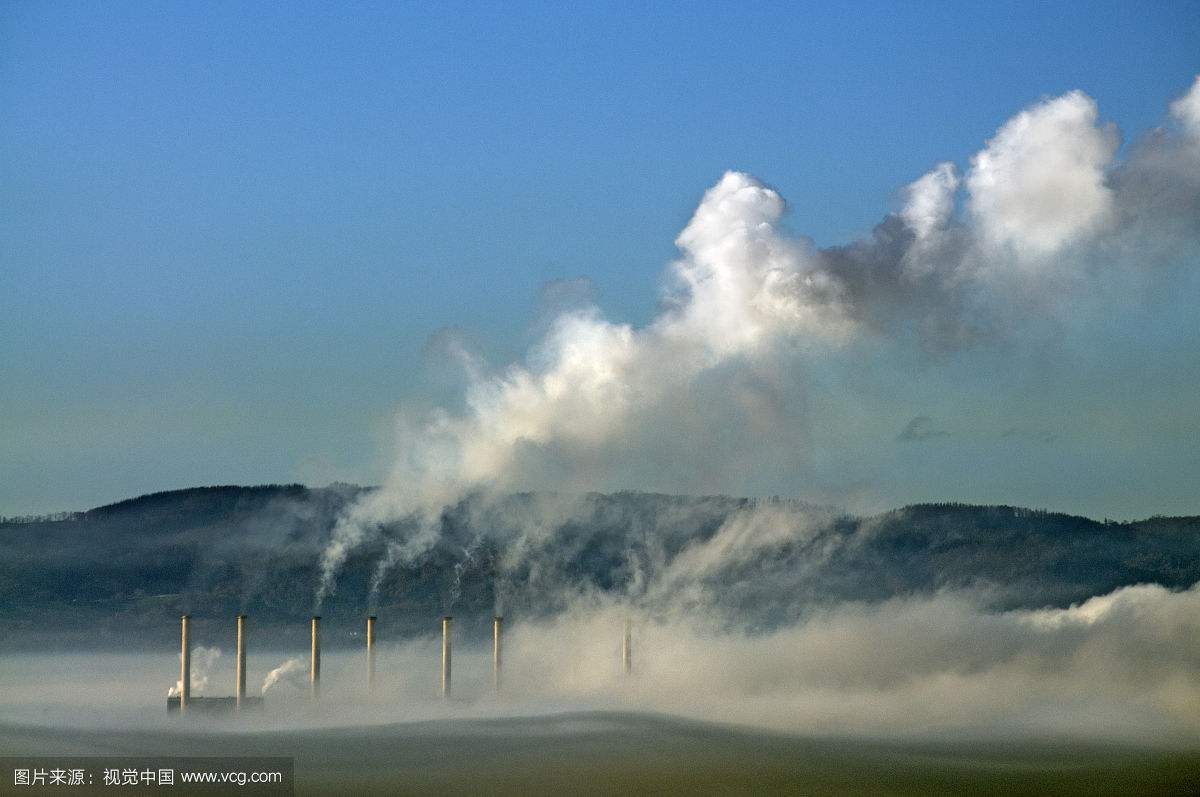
1119,667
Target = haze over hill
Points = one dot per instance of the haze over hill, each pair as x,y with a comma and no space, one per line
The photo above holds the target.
122,574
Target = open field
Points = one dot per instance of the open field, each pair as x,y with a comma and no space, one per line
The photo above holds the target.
599,752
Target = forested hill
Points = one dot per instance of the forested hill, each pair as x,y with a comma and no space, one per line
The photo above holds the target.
122,574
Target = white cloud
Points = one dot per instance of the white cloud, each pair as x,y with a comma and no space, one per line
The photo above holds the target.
1039,185
1187,109
928,212
930,201
740,288
744,284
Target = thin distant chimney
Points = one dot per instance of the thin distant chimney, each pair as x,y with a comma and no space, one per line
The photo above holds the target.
240,685
314,667
497,624
627,648
185,663
371,654
446,656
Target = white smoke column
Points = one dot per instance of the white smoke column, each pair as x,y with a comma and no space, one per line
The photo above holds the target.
203,660
293,671
392,554
740,289
348,534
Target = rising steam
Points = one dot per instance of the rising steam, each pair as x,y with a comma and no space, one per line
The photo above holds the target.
203,661
713,386
291,672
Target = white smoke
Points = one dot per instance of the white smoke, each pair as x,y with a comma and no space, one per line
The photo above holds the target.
713,386
291,672
1040,183
741,287
682,585
927,212
393,553
1120,666
1187,110
203,661
931,201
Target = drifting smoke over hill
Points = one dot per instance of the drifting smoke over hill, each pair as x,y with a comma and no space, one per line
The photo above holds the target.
120,575
1045,239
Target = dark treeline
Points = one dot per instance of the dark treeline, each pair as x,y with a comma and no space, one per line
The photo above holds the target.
52,517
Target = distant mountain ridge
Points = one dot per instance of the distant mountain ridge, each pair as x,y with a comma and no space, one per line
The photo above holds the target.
121,574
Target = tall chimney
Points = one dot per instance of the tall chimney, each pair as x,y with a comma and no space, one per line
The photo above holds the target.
446,656
371,654
185,664
239,689
314,666
627,648
497,623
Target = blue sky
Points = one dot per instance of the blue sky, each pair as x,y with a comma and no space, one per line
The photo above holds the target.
227,232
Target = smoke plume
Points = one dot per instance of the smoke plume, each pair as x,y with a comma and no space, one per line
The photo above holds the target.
203,661
713,387
291,671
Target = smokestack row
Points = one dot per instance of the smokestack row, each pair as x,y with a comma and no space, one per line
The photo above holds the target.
314,670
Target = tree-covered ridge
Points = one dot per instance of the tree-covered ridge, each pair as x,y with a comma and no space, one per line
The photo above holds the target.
126,571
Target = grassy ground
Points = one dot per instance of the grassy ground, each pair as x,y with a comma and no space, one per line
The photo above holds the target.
632,754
